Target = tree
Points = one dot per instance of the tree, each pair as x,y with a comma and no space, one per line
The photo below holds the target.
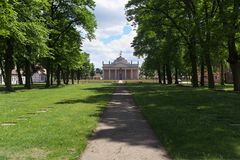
63,18
46,33
19,22
200,29
147,71
229,12
167,12
92,70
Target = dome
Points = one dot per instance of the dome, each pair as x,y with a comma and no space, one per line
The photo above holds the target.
120,60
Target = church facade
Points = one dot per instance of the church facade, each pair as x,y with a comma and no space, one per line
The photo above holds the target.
120,69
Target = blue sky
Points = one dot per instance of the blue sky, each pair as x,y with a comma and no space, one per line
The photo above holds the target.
126,30
113,34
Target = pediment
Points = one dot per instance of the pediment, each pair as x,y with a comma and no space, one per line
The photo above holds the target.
120,65
120,60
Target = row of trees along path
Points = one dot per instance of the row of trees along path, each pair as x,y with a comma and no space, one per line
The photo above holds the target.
46,33
185,35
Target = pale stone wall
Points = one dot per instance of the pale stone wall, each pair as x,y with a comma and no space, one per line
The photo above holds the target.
120,69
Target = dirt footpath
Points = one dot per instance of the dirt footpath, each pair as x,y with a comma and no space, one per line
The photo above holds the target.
123,134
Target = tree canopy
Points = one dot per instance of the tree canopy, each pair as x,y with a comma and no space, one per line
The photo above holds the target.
196,34
44,33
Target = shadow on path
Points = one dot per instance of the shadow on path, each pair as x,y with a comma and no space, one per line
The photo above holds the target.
123,133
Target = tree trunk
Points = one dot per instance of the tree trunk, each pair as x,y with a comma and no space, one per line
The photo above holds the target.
164,74
27,74
2,68
72,76
234,62
9,65
19,75
159,76
67,75
236,76
51,75
211,83
169,73
2,61
176,75
222,73
63,76
48,68
3,74
58,75
78,76
193,58
206,48
202,82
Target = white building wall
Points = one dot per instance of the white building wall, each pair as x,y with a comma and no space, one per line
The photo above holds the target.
14,80
38,78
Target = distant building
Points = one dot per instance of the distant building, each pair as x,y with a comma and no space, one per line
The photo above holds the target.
120,69
38,77
98,74
217,77
228,77
14,78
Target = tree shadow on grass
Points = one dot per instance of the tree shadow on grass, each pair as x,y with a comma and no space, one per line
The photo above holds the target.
22,89
41,86
110,88
193,123
105,95
91,99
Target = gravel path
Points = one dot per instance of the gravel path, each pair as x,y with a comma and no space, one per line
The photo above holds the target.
123,134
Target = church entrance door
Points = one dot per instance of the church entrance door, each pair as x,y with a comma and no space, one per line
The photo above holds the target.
120,74
120,77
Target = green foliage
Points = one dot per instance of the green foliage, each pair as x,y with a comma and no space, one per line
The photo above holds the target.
156,39
179,33
45,33
7,18
147,71
69,22
92,70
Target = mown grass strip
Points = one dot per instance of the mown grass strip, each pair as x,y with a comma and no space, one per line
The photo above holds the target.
192,123
61,132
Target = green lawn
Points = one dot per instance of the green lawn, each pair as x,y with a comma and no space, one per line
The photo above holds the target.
192,123
50,123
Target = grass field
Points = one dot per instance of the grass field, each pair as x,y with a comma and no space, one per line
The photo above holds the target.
192,123
50,123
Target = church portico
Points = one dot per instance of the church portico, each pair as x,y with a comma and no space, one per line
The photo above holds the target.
120,69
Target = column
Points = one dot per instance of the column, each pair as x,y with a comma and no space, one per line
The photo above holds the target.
131,74
125,74
115,74
103,74
137,74
109,74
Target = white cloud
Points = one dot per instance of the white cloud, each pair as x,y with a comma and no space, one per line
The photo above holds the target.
110,17
111,20
100,52
111,4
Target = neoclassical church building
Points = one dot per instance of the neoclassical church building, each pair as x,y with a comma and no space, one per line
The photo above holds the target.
120,69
